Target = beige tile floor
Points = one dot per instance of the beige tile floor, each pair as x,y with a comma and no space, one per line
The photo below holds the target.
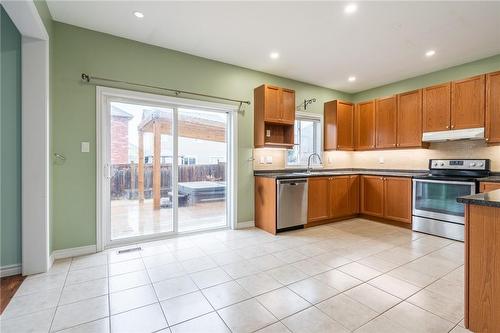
353,276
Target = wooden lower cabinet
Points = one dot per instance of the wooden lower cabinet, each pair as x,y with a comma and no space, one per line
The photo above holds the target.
488,186
317,199
386,197
372,195
482,269
397,199
265,204
344,196
332,197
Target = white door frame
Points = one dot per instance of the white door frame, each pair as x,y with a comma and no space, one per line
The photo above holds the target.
35,228
103,97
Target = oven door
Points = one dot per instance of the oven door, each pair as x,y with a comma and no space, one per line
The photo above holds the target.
437,199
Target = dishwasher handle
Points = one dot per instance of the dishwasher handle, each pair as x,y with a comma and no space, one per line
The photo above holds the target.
293,182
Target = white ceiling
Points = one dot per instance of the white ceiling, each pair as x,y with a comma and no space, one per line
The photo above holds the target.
318,43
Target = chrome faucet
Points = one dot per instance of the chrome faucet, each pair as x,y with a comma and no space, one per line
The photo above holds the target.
309,169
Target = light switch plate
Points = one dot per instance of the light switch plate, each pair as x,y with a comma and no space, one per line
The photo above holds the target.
268,133
381,160
85,147
269,160
262,160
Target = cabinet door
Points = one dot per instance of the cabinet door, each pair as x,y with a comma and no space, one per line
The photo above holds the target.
397,199
318,199
372,195
386,122
339,196
365,125
488,186
287,106
437,108
493,107
272,104
410,119
353,195
345,126
467,103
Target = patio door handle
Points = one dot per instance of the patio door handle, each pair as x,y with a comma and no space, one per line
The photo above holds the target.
107,171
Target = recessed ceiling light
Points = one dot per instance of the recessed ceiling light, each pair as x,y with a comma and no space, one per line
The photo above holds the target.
274,55
138,14
350,8
430,53
351,78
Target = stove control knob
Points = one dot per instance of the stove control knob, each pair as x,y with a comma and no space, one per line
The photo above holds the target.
480,164
441,164
473,164
435,164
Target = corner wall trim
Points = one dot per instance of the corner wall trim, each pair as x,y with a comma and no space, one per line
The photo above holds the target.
245,224
9,270
74,252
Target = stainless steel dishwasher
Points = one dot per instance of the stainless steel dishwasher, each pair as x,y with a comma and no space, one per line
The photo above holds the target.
292,203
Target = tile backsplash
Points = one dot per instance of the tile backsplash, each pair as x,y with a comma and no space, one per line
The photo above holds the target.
414,159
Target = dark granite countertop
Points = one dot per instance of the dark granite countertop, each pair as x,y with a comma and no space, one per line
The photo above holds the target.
492,179
491,199
297,173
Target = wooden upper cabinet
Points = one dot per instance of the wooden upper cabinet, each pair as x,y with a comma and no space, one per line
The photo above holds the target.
365,125
397,199
278,104
493,107
272,107
274,117
318,200
372,195
386,122
437,108
409,119
338,125
467,103
288,106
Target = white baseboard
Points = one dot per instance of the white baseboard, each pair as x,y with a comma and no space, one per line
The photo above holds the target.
73,252
245,224
9,270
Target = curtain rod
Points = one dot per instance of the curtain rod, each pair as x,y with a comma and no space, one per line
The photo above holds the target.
87,78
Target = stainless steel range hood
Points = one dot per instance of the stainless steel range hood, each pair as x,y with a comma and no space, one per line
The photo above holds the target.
463,134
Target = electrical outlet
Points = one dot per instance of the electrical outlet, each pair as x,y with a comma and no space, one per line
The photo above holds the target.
262,160
269,160
268,133
381,160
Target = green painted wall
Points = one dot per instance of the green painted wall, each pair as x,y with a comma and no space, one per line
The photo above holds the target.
79,50
75,50
486,65
10,141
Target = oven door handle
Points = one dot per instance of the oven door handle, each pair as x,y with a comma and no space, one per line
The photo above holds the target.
443,182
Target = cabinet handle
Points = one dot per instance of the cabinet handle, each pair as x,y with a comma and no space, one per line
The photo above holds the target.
487,139
452,126
447,126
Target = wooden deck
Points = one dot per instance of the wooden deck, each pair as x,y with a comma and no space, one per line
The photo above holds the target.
129,218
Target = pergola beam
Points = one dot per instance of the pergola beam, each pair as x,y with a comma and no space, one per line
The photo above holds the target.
156,165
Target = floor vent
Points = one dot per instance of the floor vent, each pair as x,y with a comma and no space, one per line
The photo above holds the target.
132,249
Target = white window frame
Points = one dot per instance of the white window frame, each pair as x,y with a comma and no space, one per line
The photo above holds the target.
314,117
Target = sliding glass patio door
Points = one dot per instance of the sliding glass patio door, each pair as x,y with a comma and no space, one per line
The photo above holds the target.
165,169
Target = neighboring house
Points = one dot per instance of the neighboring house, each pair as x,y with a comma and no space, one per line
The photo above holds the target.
119,135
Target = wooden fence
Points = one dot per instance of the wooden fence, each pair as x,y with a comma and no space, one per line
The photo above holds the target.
123,186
